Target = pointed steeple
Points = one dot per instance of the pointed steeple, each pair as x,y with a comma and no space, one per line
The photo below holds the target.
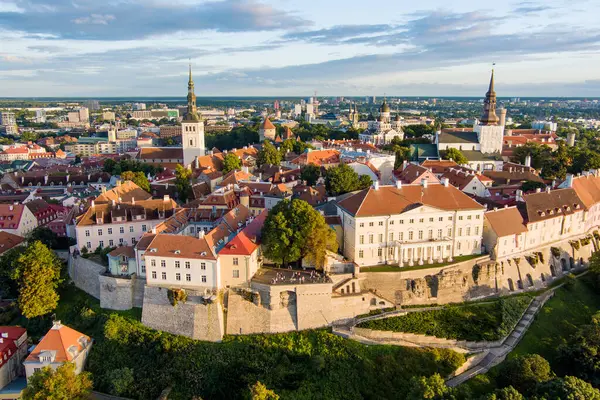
191,114
489,116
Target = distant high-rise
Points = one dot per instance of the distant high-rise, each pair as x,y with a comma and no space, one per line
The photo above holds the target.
93,105
8,123
192,128
40,116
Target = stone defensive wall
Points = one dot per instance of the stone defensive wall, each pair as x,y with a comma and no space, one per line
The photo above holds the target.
480,277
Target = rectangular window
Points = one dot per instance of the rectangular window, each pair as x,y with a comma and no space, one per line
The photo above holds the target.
411,221
203,266
143,228
361,254
401,222
101,243
380,238
163,263
153,274
235,261
468,217
460,218
87,233
430,219
99,232
187,265
143,269
430,234
458,245
370,223
178,276
441,219
410,235
361,239
362,225
122,229
120,241
188,277
450,218
477,216
421,220
392,222
371,239
450,232
111,243
468,231
380,223
110,231
459,231
379,252
204,278
177,264
131,228
164,276
477,230
440,233
420,235
153,263
401,236
88,245
236,273
391,236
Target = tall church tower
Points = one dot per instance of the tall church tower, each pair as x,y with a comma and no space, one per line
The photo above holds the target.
489,133
192,128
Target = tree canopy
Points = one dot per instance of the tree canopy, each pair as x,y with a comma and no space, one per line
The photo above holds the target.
38,274
343,179
293,229
524,372
183,183
231,162
139,178
456,155
60,384
310,173
258,391
268,155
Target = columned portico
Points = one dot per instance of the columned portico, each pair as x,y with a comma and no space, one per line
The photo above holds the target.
429,252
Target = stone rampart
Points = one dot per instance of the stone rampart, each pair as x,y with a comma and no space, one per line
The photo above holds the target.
193,319
85,273
118,293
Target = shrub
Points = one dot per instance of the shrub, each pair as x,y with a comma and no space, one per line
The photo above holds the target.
176,295
575,244
476,271
586,240
541,256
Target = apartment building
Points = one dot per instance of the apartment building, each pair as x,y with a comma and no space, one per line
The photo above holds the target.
17,219
119,223
410,224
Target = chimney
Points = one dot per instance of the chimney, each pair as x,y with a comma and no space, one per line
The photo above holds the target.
538,190
376,185
547,189
46,179
404,164
118,182
103,189
424,183
528,161
166,198
519,196
398,184
133,200
569,180
154,230
94,204
200,233
445,182
197,162
113,202
245,169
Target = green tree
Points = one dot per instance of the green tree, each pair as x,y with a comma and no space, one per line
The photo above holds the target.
524,372
182,182
121,380
60,384
231,162
343,179
568,388
402,153
431,388
9,288
44,235
291,228
258,391
455,155
139,178
507,393
580,356
38,273
268,155
310,173
109,165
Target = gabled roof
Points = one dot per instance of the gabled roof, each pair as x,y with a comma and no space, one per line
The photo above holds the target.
460,177
179,246
413,173
126,191
235,176
8,241
587,188
248,240
458,137
318,157
389,200
60,339
161,153
267,124
506,221
439,166
8,347
10,215
546,205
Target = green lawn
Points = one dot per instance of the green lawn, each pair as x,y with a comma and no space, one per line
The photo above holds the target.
489,321
395,268
558,319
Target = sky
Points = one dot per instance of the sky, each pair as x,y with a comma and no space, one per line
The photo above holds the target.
96,48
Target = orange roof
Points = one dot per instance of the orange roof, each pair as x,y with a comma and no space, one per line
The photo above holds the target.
59,339
179,246
318,157
247,241
126,191
267,124
588,189
389,200
506,221
233,177
439,166
8,241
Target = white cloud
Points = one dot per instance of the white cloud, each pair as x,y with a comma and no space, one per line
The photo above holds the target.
95,19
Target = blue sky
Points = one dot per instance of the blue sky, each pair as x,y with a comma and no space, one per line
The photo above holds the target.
293,47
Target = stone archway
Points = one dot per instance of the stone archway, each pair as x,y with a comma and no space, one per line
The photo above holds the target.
511,285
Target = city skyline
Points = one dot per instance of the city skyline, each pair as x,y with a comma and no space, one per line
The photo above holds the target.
263,48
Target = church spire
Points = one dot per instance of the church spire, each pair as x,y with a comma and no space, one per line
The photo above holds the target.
489,116
191,114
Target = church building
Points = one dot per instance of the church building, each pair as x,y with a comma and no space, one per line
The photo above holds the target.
482,145
381,132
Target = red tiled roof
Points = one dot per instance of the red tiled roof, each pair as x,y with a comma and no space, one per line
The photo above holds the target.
248,240
267,124
8,241
8,347
506,221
